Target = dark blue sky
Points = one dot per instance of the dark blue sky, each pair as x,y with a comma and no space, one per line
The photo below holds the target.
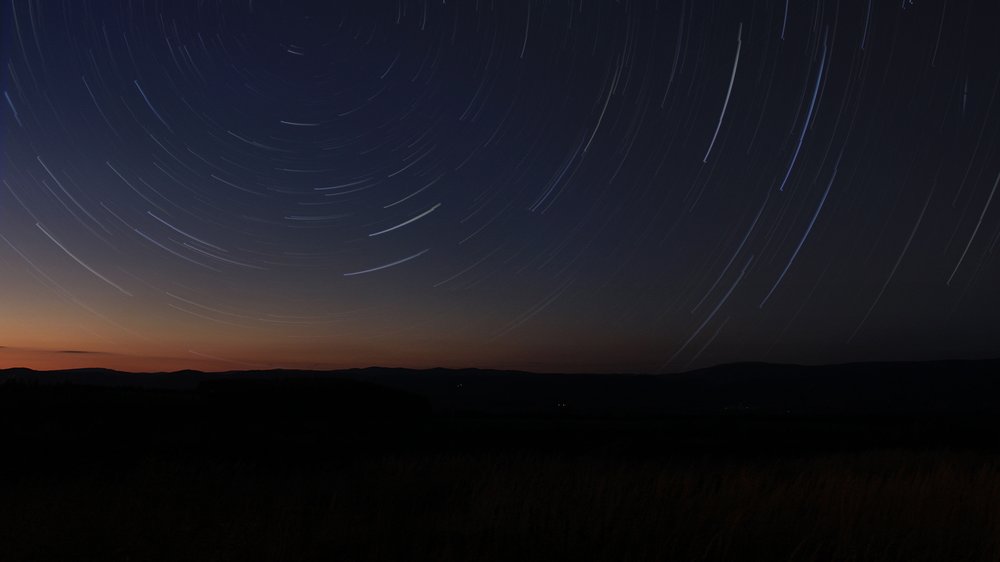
558,186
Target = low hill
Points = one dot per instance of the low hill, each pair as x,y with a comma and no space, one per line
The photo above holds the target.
914,388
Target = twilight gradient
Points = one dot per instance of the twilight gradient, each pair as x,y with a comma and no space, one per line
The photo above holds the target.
559,186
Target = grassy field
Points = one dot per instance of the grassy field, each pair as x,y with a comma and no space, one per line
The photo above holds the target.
510,505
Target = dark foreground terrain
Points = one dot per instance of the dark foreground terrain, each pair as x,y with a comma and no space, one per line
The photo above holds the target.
297,466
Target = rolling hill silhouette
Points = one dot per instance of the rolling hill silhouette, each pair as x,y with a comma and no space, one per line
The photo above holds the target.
937,387
367,460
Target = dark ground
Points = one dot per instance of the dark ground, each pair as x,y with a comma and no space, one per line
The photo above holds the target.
318,469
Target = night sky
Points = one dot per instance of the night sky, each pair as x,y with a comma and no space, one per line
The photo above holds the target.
630,186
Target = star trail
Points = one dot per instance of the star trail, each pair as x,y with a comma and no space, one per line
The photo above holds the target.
588,186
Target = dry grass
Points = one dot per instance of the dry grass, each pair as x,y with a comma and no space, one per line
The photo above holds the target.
889,505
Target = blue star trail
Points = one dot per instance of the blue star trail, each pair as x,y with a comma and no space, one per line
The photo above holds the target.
634,185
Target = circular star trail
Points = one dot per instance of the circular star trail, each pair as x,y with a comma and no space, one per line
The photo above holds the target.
562,186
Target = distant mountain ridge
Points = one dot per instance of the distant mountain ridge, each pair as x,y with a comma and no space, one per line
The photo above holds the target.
891,388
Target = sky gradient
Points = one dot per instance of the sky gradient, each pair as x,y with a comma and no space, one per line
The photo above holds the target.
629,186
